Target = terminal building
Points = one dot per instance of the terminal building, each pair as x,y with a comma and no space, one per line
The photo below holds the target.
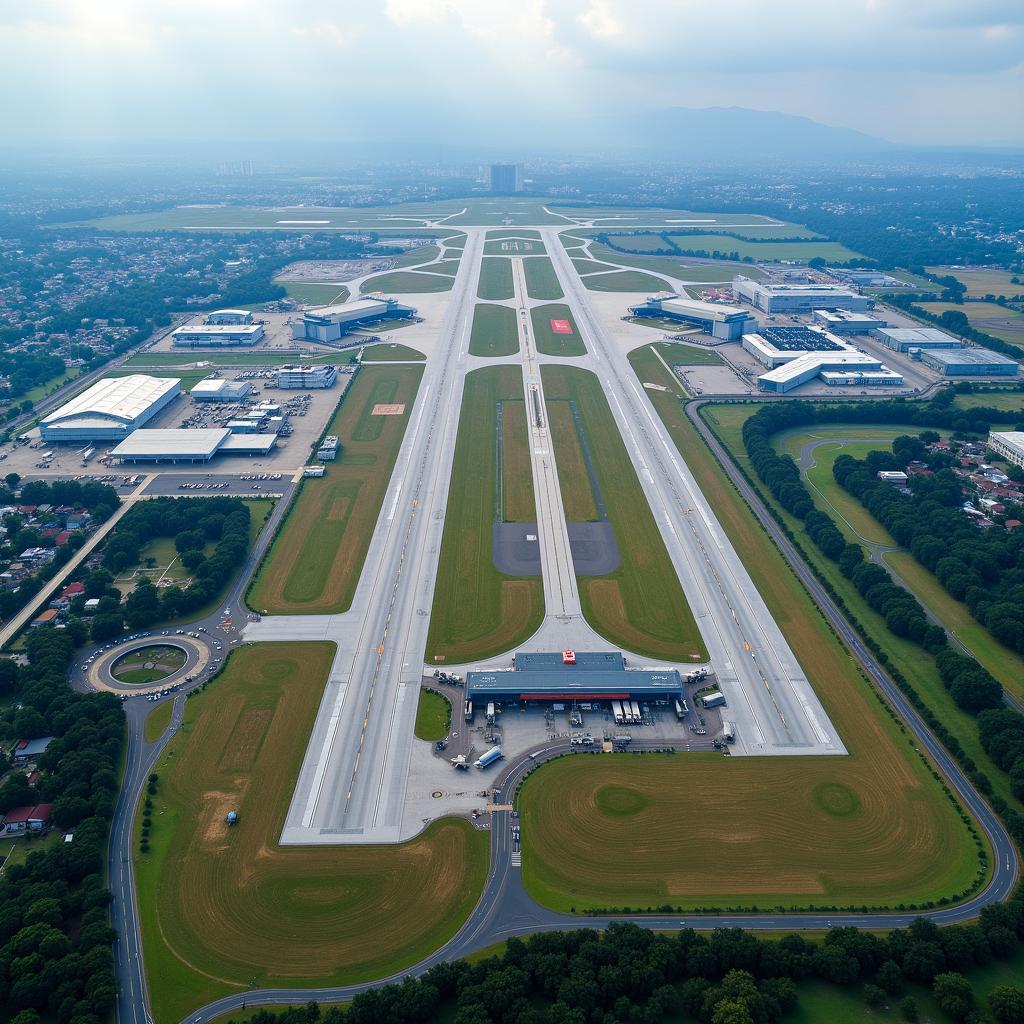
904,339
970,362
231,317
799,298
845,321
728,323
216,389
217,335
1009,445
796,355
331,323
307,377
190,445
109,410
588,676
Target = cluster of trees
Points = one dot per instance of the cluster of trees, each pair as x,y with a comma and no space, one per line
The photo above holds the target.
194,523
630,974
55,957
26,370
953,320
1002,736
972,686
982,568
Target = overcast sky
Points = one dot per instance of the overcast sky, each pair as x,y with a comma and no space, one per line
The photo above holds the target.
923,71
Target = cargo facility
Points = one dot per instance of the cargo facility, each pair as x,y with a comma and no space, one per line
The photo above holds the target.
216,389
217,335
799,298
970,362
109,410
331,323
175,445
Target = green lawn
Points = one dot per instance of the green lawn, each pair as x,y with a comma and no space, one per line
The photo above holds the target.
495,279
48,388
624,281
679,267
981,282
676,354
157,720
513,233
1006,400
495,332
584,266
541,280
548,342
315,294
389,352
408,282
766,250
433,716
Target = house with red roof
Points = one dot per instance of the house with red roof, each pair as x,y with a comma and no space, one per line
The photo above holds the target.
27,819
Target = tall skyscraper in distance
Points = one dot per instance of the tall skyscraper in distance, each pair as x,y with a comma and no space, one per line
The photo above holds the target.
505,179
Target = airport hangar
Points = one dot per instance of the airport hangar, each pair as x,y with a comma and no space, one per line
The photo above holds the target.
190,445
217,335
110,409
727,323
331,323
799,298
569,676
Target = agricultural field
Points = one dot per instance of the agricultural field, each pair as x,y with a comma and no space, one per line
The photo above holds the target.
981,282
225,908
999,321
541,280
408,282
908,658
495,279
433,716
315,560
479,612
390,352
548,342
624,281
639,607
834,252
495,332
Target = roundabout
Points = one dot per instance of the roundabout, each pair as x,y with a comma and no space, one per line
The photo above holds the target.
148,665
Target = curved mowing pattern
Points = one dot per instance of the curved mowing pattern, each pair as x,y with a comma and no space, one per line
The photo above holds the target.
701,830
225,907
316,558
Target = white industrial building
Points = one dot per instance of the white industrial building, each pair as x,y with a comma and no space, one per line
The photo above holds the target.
307,377
330,323
109,410
799,298
217,389
970,362
796,355
846,321
190,445
729,323
903,339
1009,445
231,317
217,335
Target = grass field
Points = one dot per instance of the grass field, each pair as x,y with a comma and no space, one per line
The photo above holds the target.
549,343
433,716
315,560
999,321
48,387
414,257
391,352
680,267
222,909
541,281
479,612
584,266
315,294
495,332
157,721
908,658
686,355
495,279
870,828
981,282
1006,400
131,668
766,250
624,281
513,233
640,606
408,282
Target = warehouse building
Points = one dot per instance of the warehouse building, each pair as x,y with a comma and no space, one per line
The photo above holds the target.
216,389
307,377
331,323
587,676
231,317
799,298
176,445
1009,445
109,410
729,323
845,321
970,362
217,335
903,339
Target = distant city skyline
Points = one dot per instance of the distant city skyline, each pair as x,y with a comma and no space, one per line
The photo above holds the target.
932,72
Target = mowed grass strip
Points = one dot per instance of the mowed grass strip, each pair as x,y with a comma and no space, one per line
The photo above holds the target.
624,281
314,563
495,279
433,716
518,502
573,480
585,266
640,606
225,908
548,342
676,354
157,721
408,282
541,280
390,352
479,612
872,828
494,331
